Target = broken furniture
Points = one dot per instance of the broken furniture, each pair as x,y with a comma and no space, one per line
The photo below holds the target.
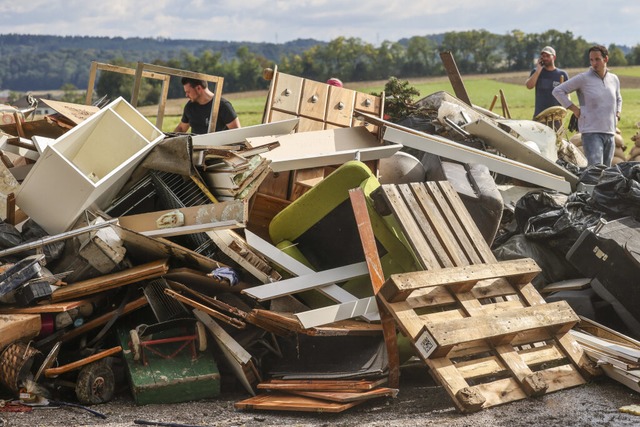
486,334
319,230
89,164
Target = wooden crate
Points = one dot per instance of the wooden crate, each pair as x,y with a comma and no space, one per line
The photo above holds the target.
485,332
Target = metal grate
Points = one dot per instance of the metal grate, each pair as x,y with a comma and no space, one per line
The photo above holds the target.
163,306
174,192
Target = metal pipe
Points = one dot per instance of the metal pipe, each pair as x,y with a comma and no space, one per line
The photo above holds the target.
52,239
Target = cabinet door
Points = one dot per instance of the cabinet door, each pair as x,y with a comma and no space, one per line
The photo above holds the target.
314,100
340,106
286,95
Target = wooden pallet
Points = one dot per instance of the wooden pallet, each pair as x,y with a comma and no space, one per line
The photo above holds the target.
485,332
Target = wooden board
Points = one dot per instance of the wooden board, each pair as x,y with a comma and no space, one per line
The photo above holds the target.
236,210
15,327
288,402
322,385
58,307
87,287
344,396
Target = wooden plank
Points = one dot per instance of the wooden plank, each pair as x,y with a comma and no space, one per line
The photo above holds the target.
460,279
59,307
288,402
322,385
558,316
236,210
344,397
15,327
306,282
103,319
237,357
454,76
193,229
54,372
367,237
464,397
424,252
87,287
440,225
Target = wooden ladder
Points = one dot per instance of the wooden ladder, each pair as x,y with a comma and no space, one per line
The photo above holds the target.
485,332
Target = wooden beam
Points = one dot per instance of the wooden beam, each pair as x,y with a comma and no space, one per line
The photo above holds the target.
461,279
87,287
500,328
454,76
376,274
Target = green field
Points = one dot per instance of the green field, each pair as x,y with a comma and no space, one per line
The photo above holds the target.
481,90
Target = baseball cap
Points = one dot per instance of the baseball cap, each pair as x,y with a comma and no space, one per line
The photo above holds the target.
549,50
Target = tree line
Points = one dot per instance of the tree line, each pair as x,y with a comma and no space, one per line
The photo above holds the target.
350,59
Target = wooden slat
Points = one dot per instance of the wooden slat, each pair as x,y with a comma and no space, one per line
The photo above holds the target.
399,286
322,385
558,316
428,233
367,238
440,226
288,402
422,250
84,288
14,327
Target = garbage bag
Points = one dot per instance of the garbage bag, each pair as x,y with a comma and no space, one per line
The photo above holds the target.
9,236
617,193
591,174
541,217
552,262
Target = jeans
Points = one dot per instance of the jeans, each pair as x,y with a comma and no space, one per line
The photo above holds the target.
598,148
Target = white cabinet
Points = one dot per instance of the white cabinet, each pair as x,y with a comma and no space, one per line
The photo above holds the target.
87,165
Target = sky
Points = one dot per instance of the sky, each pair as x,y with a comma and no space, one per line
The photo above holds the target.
279,21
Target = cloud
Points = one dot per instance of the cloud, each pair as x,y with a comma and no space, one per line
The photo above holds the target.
373,21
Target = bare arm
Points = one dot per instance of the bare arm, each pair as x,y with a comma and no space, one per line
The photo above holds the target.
234,124
182,127
533,78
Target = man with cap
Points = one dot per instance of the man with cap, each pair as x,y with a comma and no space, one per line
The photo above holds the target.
545,77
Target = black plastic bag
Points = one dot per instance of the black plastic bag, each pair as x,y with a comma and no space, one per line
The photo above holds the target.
617,193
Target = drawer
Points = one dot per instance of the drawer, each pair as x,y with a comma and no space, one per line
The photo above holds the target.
287,92
368,103
340,106
314,99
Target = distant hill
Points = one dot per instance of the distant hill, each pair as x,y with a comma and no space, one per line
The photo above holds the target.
40,62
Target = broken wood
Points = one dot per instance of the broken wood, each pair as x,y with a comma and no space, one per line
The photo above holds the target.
84,288
376,274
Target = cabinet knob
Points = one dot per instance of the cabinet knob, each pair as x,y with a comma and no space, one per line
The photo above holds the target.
287,92
367,102
340,105
314,99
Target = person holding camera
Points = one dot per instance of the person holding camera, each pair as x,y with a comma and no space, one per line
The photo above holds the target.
545,77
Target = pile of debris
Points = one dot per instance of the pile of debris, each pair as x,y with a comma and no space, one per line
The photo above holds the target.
308,258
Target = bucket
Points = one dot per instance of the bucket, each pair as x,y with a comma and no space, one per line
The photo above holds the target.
15,365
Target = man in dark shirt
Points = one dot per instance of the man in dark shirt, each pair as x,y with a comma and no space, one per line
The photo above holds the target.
545,77
197,111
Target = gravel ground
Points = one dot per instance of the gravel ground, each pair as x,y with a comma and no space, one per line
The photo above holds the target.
420,402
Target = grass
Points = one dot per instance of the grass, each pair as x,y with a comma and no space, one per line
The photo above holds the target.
481,90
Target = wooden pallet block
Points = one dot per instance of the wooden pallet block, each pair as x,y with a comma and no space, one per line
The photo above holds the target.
482,328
